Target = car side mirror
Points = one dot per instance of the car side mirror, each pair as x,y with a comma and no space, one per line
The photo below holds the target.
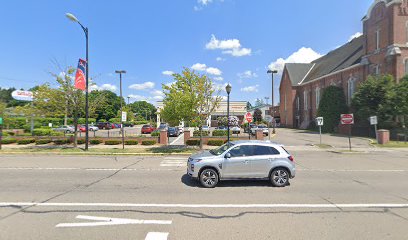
227,155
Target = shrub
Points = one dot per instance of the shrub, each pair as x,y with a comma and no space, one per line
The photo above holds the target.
332,105
42,132
141,122
115,120
215,142
61,141
24,134
193,142
148,142
131,142
9,133
95,141
155,134
220,133
112,142
197,133
8,141
42,141
25,141
80,141
57,134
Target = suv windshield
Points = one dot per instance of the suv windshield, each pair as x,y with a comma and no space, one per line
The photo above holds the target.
222,149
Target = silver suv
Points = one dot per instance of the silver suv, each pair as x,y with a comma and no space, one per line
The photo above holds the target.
243,160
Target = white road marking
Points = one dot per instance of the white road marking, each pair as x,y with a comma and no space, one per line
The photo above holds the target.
156,236
106,221
152,205
173,163
178,138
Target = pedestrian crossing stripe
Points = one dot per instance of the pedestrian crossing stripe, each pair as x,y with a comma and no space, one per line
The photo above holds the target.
173,163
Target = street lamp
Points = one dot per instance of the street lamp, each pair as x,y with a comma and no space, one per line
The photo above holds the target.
128,100
228,88
74,19
273,101
121,106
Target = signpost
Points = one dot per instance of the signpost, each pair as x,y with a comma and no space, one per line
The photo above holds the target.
249,118
319,121
374,121
26,96
347,119
1,131
124,118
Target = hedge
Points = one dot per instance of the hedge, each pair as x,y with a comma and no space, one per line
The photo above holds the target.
80,141
193,142
42,132
95,141
148,142
112,142
141,122
8,141
61,141
220,133
155,134
214,142
197,133
25,141
131,142
42,141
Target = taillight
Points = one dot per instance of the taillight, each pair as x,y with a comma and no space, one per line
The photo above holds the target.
291,158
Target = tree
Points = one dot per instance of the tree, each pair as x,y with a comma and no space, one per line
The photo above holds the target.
192,98
248,106
259,102
144,109
258,115
104,104
398,100
332,105
373,99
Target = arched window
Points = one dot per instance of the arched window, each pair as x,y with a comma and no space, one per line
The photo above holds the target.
351,90
317,97
306,100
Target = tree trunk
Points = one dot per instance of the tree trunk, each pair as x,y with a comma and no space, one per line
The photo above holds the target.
201,137
76,129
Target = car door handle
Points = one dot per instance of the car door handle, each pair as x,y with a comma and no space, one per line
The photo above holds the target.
246,161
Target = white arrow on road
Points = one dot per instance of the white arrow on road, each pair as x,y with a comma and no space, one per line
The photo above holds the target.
107,221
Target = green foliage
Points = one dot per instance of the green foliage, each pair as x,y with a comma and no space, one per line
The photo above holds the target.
374,98
222,121
113,142
257,115
193,142
42,141
399,100
81,141
95,141
105,104
215,142
5,96
155,134
332,105
141,122
25,141
131,142
8,141
219,133
115,120
204,133
149,142
42,132
61,141
143,110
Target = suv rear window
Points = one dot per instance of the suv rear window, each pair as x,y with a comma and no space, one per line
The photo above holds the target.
264,150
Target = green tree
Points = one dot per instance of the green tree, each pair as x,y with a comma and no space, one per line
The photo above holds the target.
192,98
332,105
398,100
373,99
258,115
143,109
104,104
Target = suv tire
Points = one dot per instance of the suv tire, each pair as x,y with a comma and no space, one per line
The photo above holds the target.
280,177
209,178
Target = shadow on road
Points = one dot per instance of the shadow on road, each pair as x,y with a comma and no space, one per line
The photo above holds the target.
188,181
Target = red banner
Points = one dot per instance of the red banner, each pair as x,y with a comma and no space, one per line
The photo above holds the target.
80,79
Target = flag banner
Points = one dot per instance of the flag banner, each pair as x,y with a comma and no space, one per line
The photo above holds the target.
80,79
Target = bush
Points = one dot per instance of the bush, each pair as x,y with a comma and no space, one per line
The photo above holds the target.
25,141
95,141
42,141
197,133
57,134
214,142
193,142
155,134
8,141
115,120
9,134
42,132
61,141
332,105
112,142
148,142
131,142
80,141
220,133
141,122
24,134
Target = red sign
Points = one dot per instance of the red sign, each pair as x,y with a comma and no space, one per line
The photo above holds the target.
347,119
248,117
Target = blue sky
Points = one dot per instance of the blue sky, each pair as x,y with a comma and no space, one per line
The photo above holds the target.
230,40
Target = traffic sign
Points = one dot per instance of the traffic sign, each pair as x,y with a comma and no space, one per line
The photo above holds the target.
248,117
319,121
347,119
124,116
373,120
1,121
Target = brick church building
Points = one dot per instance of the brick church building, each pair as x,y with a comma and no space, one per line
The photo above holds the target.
382,49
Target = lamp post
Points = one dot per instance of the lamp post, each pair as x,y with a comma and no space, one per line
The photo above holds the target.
128,100
228,88
74,19
273,101
121,106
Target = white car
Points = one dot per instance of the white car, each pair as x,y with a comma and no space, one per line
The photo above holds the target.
93,128
236,130
264,129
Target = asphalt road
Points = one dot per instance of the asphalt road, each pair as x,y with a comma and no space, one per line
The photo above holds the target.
334,196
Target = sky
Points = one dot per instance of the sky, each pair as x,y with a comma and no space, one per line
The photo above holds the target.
232,41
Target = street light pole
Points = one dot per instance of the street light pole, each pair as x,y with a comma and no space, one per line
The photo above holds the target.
121,106
228,88
128,100
273,101
85,29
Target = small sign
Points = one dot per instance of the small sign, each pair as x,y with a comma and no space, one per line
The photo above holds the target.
23,95
268,118
347,119
1,121
124,116
373,120
50,125
319,121
248,117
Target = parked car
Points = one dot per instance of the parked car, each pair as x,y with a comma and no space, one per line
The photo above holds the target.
163,126
249,127
236,130
116,125
173,132
180,129
222,128
146,129
205,128
65,129
105,125
93,128
243,160
82,128
265,130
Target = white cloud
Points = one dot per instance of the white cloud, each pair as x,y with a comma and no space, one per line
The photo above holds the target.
199,67
250,89
142,86
303,55
230,46
214,71
220,59
105,86
356,35
168,73
204,2
157,93
247,74
218,79
219,86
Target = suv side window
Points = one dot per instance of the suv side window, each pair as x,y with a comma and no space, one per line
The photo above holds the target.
264,150
242,151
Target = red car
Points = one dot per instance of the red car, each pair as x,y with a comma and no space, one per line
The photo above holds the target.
82,128
146,129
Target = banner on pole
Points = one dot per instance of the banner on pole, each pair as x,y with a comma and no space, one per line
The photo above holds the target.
80,79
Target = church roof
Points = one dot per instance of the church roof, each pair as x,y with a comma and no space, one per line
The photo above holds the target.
297,71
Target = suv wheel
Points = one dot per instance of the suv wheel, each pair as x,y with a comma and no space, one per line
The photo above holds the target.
209,178
279,177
